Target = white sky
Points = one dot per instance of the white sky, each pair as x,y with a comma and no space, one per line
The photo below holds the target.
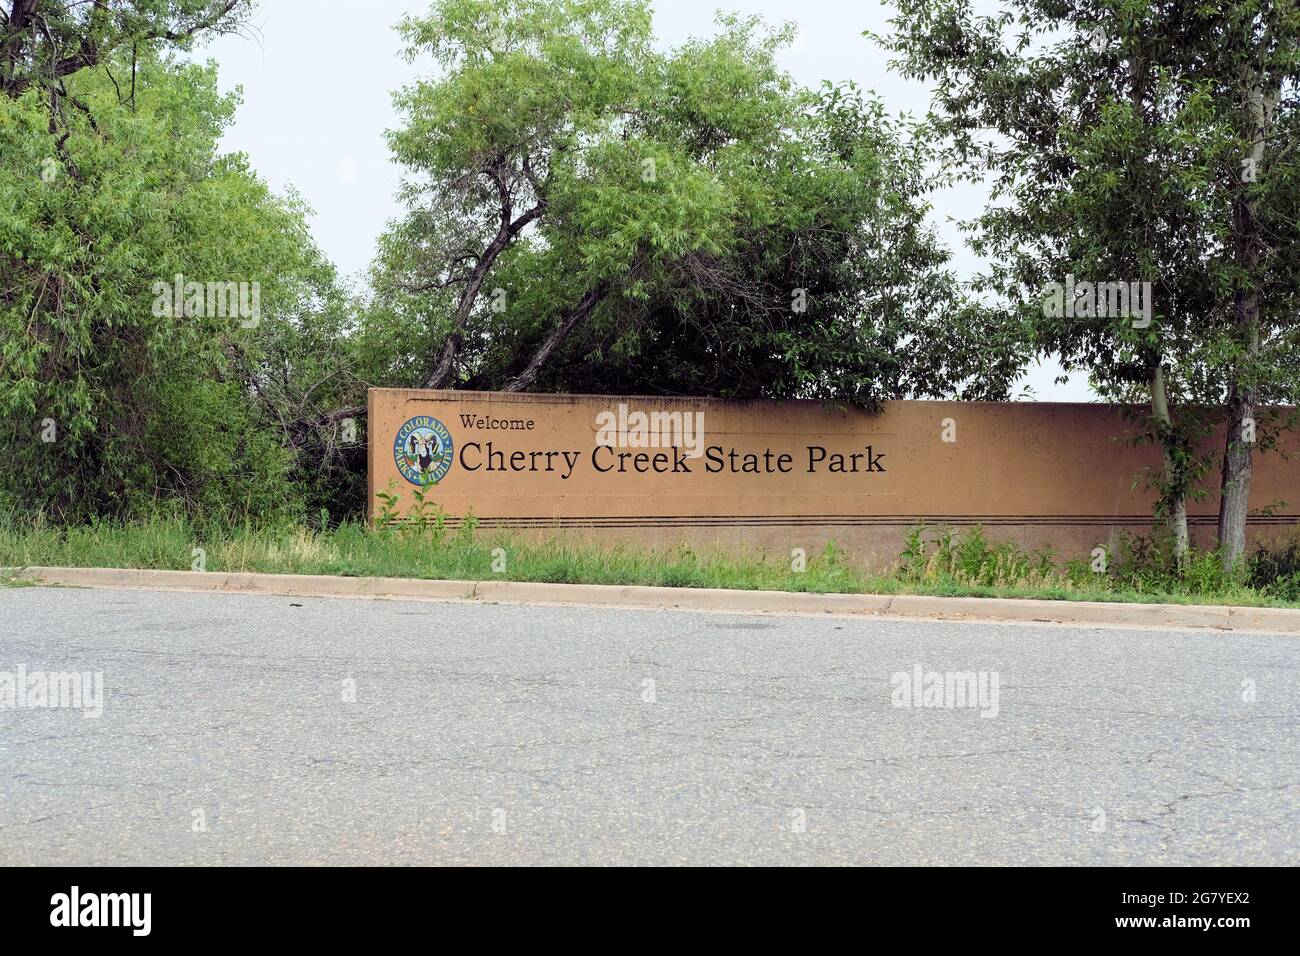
317,77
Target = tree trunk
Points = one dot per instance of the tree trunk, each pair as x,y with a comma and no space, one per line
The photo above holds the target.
1234,496
524,380
12,47
1175,491
1234,485
1239,442
451,348
505,235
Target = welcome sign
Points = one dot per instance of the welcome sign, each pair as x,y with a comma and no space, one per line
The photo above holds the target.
777,474
424,449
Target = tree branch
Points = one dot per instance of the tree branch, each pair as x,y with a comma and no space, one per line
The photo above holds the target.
505,235
525,379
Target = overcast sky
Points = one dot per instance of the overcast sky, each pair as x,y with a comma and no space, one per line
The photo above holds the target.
317,77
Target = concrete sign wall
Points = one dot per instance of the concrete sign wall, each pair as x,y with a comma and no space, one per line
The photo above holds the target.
782,475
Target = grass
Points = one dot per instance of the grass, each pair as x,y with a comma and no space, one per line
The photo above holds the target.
933,561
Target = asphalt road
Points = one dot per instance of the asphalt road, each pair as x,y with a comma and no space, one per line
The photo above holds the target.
494,734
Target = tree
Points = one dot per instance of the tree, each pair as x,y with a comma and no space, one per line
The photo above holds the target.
114,392
1124,144
45,41
527,82
1250,68
695,222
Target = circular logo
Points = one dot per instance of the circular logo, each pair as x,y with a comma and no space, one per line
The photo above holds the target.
423,450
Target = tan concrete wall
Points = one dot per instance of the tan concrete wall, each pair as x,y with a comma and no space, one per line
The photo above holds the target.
1048,475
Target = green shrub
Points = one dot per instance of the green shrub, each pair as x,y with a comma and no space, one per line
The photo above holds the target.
1276,572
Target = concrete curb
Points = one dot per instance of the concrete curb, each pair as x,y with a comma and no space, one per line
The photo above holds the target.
1273,620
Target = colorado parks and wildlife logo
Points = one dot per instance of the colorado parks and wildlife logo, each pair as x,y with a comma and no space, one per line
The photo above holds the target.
423,450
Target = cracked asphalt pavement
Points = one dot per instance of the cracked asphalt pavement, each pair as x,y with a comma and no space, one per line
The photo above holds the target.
251,729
